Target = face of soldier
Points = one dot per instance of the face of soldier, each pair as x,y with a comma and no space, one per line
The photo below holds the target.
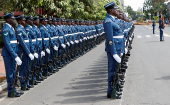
11,21
22,22
30,22
36,22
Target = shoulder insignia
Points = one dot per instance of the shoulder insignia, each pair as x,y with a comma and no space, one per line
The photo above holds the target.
6,34
20,34
110,42
27,33
4,29
107,21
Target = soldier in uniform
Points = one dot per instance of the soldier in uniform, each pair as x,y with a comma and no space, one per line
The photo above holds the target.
153,25
9,52
160,27
114,43
26,49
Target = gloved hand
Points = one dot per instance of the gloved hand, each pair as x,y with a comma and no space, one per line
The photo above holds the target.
31,56
84,38
117,58
94,35
80,40
88,38
63,45
36,55
130,38
48,51
42,53
76,41
126,50
121,54
18,60
68,43
72,42
55,48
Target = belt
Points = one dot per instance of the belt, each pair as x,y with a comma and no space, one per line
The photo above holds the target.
61,37
55,37
26,41
13,41
39,39
33,40
46,38
120,36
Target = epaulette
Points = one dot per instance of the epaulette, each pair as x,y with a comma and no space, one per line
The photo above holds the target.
107,21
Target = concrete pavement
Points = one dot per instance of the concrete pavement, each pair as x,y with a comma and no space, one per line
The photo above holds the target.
84,81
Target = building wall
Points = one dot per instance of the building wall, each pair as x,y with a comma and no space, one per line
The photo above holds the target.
122,4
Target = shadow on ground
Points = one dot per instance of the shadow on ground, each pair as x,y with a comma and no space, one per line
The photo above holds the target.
91,87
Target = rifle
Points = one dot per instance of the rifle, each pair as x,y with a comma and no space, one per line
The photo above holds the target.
27,74
41,65
34,68
55,58
16,78
47,62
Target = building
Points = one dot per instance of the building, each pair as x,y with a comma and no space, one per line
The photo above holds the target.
122,4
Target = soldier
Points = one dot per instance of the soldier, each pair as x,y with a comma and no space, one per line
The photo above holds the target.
114,43
33,39
39,40
160,27
153,25
26,49
9,52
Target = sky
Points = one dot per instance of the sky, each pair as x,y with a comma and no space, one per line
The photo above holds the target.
134,3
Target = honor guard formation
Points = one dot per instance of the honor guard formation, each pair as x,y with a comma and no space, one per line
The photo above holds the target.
33,53
119,36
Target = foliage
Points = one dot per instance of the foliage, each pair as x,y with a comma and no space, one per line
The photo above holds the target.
75,9
154,8
140,19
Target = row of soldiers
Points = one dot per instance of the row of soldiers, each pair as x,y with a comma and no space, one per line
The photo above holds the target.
119,36
39,52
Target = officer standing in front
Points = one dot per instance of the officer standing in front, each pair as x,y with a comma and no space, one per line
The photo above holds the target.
153,25
9,52
114,44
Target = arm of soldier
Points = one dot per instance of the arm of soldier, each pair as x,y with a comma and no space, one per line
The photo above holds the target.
21,42
6,39
109,37
51,41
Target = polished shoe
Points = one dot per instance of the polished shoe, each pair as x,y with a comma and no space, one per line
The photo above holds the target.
118,97
25,89
20,92
108,95
119,93
44,77
15,95
30,86
37,81
121,89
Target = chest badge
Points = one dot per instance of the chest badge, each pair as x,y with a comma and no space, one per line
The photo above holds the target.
110,42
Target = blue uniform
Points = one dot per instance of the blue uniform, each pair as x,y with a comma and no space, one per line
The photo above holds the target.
160,28
153,26
25,48
114,45
9,53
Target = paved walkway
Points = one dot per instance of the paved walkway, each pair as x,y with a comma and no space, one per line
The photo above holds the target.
2,69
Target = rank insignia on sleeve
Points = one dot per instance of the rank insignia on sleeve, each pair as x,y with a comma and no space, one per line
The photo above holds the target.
20,34
110,42
6,34
27,33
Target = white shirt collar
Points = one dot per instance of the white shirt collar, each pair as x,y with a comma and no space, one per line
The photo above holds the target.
30,26
35,26
9,25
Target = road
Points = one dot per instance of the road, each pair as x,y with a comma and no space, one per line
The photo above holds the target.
84,81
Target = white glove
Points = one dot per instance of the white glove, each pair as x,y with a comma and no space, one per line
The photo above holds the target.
88,38
68,43
48,51
126,50
84,38
18,60
130,39
91,36
117,58
55,48
63,45
121,54
42,53
72,42
80,40
36,55
94,35
76,41
31,56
